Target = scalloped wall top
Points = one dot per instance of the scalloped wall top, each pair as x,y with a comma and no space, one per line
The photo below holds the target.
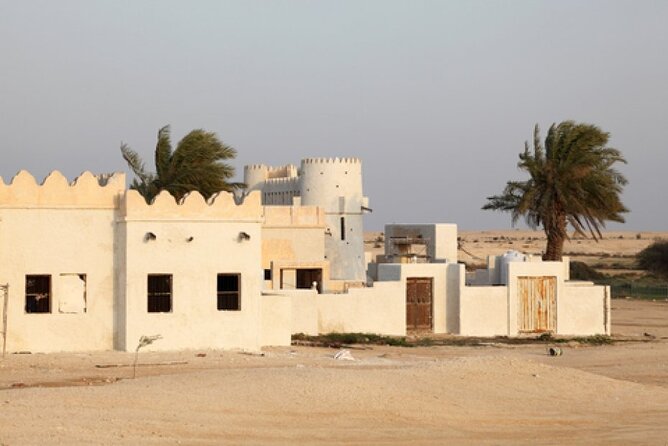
86,190
192,206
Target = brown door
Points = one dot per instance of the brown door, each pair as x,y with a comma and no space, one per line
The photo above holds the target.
418,303
537,306
306,277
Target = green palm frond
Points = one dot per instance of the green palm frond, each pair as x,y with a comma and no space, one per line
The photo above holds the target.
197,164
571,180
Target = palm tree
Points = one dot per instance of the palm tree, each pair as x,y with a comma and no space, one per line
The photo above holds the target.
572,180
195,164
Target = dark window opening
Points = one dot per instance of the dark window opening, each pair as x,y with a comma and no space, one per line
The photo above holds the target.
38,294
159,293
228,292
267,274
306,278
343,228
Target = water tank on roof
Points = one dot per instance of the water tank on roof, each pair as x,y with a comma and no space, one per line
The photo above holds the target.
509,256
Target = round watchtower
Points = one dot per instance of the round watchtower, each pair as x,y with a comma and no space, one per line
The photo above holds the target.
255,175
335,184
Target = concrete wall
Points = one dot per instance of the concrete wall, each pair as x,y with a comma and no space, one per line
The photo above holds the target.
60,230
194,252
276,320
447,279
483,311
584,309
528,269
379,309
335,184
293,237
440,240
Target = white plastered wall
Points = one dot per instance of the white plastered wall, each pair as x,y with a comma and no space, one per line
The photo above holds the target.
441,239
585,309
194,243
62,230
483,311
447,280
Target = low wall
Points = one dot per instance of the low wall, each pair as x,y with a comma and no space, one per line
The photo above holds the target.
583,310
380,309
483,311
276,314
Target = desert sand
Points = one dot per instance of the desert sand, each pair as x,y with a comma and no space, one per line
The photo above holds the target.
494,394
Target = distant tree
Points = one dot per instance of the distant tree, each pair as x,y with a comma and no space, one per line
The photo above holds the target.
571,180
197,163
654,258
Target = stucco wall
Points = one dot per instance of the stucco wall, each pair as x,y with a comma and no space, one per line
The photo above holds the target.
379,309
60,229
276,320
440,239
54,242
445,293
483,311
535,269
584,310
194,250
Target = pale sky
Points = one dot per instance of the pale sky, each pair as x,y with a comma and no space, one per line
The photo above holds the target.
436,97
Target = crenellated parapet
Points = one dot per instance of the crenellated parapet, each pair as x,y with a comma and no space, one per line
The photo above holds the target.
343,160
85,191
220,207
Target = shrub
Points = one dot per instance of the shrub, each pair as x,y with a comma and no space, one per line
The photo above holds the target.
654,258
582,271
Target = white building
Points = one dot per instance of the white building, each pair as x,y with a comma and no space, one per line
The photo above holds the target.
91,266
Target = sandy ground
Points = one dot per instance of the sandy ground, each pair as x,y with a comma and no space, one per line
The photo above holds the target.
497,394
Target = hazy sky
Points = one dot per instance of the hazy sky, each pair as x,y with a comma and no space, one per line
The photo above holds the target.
436,97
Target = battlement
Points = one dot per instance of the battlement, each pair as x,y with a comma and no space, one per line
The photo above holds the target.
85,191
337,160
193,206
282,180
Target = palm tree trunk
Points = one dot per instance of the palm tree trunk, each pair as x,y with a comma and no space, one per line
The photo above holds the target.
556,235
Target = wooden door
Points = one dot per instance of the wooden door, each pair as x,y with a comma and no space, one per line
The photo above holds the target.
537,304
419,303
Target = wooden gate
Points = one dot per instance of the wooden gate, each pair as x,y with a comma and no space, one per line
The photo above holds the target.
537,304
419,303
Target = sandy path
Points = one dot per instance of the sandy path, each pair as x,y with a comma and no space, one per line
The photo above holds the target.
461,395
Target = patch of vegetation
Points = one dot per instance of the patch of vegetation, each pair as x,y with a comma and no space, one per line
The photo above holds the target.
654,258
339,340
582,271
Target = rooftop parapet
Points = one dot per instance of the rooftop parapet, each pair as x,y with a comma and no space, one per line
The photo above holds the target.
344,160
193,206
85,191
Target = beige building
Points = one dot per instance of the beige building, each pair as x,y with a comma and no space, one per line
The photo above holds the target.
90,265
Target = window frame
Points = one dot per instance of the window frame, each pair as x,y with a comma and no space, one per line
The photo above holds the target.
159,294
222,294
49,295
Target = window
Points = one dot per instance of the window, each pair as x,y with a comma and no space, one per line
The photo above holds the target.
228,292
267,274
38,294
159,293
343,228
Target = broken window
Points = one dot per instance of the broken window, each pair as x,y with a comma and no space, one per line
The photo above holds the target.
71,293
159,293
38,294
229,292
267,274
